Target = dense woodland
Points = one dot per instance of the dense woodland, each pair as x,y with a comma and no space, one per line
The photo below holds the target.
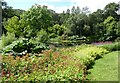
101,25
39,29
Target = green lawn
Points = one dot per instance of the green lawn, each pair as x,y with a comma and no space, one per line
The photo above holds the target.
106,68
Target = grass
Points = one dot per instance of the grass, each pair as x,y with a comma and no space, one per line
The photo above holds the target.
106,68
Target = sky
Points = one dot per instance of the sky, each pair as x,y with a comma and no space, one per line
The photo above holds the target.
60,5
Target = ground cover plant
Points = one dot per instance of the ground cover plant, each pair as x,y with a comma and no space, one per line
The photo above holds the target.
48,66
111,47
59,65
90,54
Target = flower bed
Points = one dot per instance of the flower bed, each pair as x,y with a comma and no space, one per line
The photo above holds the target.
60,65
101,43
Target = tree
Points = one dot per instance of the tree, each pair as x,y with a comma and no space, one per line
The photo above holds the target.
13,26
77,10
68,11
73,10
8,12
86,30
118,29
42,36
64,17
18,12
55,17
0,19
95,22
111,10
111,27
76,24
85,10
35,19
56,30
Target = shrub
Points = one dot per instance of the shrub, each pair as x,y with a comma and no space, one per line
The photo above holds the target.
17,46
7,39
82,46
47,67
111,47
73,40
62,65
39,48
117,39
12,25
89,54
56,30
42,36
55,41
24,45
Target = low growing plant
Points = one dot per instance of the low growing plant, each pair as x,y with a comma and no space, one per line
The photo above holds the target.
89,54
6,39
24,45
49,66
111,47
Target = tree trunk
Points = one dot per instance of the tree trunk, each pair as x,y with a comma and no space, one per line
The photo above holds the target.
0,18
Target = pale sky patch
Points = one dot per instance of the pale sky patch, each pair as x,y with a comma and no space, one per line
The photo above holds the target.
58,9
93,5
60,5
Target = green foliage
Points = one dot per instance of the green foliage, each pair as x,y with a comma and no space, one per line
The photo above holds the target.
35,19
73,40
82,46
42,36
0,44
110,10
86,53
110,24
13,26
6,39
117,39
8,11
56,30
39,48
67,41
62,65
111,27
17,46
48,67
41,26
97,27
75,24
24,46
55,41
30,22
89,54
18,12
111,47
100,25
118,29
